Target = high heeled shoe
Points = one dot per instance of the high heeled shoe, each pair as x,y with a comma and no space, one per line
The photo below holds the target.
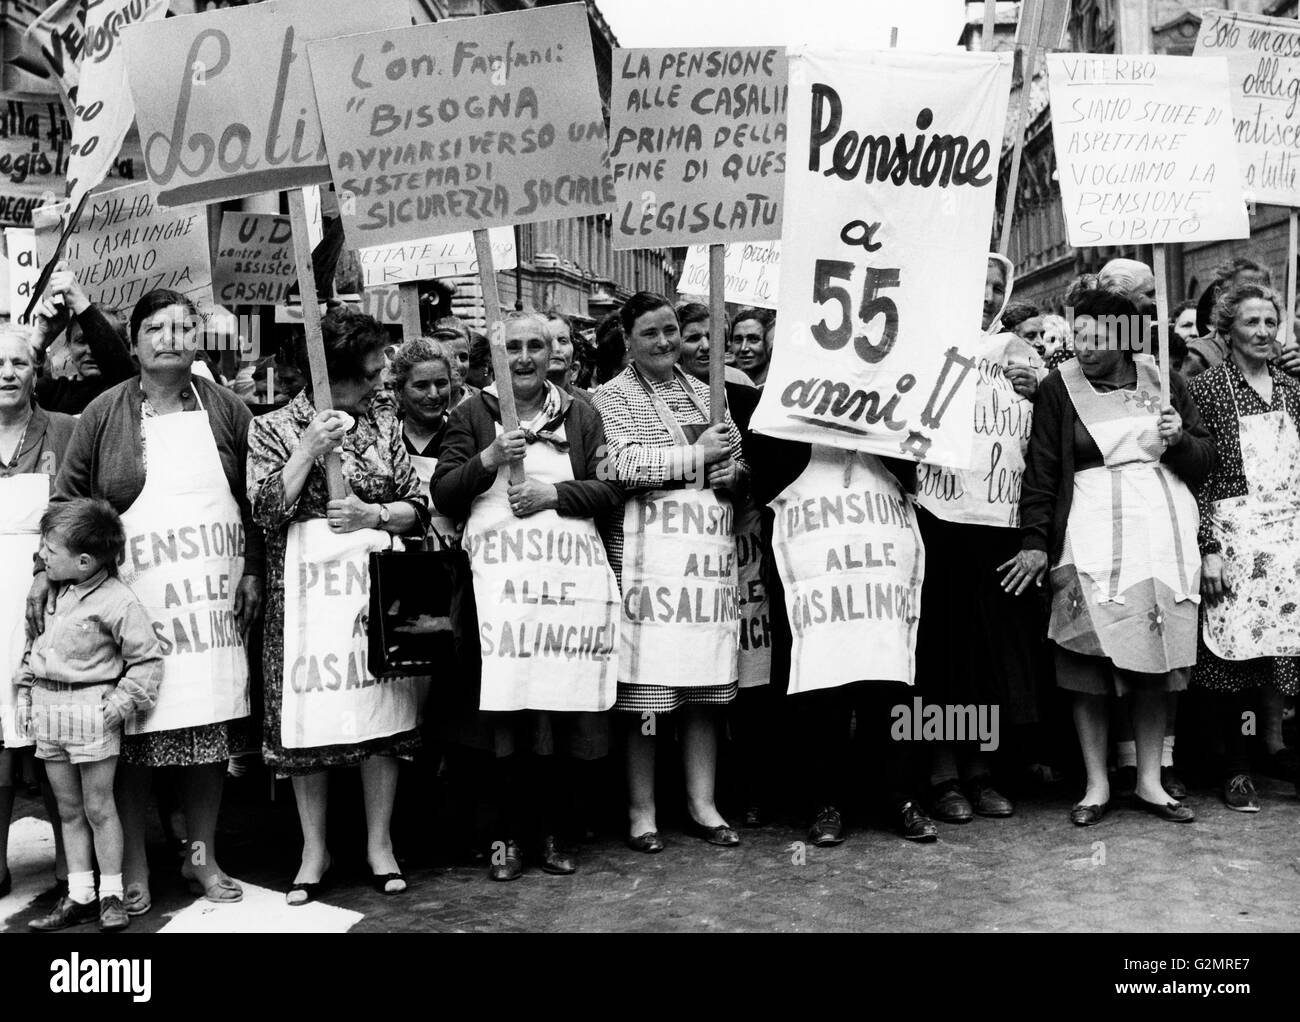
310,891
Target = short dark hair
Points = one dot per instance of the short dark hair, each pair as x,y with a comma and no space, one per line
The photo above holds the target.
87,526
692,312
762,316
1103,302
480,351
638,305
155,301
350,336
1016,313
611,347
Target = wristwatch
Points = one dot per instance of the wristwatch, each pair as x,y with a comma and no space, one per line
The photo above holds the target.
384,515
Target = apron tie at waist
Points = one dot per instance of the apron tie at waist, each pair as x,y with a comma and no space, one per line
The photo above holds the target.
1185,597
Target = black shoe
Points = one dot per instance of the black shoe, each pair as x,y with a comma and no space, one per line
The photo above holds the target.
723,836
300,893
66,913
827,828
987,800
915,825
1088,815
112,915
6,885
949,805
649,842
1239,794
511,866
389,883
1174,812
556,862
1172,783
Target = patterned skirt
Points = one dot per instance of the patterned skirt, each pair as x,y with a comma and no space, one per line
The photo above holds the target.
186,746
634,698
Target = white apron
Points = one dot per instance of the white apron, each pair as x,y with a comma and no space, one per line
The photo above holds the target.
23,499
329,696
547,599
184,559
1263,527
988,493
849,551
755,657
680,606
1128,582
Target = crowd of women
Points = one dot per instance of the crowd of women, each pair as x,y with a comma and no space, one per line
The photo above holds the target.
1147,548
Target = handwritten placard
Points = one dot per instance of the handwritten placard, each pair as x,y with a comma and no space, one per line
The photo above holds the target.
697,145
126,245
1263,57
21,267
469,123
255,262
224,99
1144,149
753,272
891,191
429,258
34,139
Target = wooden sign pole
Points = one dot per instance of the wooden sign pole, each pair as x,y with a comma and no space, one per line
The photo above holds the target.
497,341
717,333
1018,138
1292,254
408,295
1162,321
320,380
989,34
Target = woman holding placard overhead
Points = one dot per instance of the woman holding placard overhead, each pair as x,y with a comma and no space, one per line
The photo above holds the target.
323,708
675,548
546,595
1250,527
1107,503
168,451
423,376
977,644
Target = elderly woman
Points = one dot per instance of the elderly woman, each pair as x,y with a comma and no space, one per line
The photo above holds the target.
32,442
1107,502
423,375
978,645
678,571
546,595
167,450
321,709
1250,527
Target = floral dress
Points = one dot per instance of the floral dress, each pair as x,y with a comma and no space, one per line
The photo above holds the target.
376,467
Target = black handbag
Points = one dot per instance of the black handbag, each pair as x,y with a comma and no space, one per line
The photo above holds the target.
423,619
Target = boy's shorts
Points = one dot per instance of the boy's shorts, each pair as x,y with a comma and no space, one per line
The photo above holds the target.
68,722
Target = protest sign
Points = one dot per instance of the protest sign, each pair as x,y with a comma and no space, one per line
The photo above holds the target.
887,222
34,138
464,124
1144,149
126,244
754,663
428,258
851,560
988,493
224,99
1263,57
59,36
697,145
753,273
255,263
22,268
103,110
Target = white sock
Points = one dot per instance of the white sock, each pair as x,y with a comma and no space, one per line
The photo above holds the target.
81,887
1167,753
1126,754
110,885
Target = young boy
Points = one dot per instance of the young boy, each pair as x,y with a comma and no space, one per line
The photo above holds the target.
96,662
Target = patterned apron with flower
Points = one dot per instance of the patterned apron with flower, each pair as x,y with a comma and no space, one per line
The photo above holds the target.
1128,582
1259,536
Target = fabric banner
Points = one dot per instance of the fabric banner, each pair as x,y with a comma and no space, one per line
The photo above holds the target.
34,137
428,258
697,145
679,590
255,260
755,658
468,123
753,273
893,199
988,493
851,559
1144,149
1263,75
330,696
224,99
58,35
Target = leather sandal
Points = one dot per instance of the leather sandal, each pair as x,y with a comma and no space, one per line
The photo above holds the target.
136,899
218,888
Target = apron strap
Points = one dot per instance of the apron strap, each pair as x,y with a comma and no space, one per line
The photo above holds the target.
665,413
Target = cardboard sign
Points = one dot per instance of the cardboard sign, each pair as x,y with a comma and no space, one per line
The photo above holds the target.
126,245
697,145
21,267
469,123
889,198
1263,57
429,258
754,662
989,492
1144,149
753,272
104,111
224,99
255,261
